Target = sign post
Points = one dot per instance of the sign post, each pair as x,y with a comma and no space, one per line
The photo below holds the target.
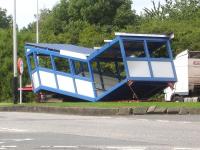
14,55
20,66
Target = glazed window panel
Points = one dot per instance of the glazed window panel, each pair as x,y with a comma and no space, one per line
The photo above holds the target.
32,61
108,69
157,49
134,49
62,64
44,61
81,69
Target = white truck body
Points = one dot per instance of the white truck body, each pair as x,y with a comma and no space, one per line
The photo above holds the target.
187,66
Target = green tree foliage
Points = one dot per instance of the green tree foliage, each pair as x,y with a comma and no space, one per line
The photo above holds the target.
4,19
94,12
180,16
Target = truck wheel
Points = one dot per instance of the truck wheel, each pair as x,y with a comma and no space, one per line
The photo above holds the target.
177,98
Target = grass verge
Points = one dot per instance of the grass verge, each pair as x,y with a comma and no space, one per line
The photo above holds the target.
110,104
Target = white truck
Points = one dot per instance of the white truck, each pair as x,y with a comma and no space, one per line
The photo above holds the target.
187,87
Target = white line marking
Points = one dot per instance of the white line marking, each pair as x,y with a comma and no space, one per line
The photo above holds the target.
20,140
45,146
165,121
105,117
183,148
11,130
3,146
65,146
143,119
17,140
125,148
59,146
187,122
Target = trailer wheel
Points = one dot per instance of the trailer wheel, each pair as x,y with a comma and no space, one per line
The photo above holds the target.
177,98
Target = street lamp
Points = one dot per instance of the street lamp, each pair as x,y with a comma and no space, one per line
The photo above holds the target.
37,24
14,56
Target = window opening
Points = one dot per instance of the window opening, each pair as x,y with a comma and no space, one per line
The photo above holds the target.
32,61
45,61
134,49
62,64
81,69
157,49
108,69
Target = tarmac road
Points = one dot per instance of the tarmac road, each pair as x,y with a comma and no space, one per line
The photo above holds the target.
38,131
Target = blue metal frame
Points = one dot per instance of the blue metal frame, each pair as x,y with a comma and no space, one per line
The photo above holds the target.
148,58
119,39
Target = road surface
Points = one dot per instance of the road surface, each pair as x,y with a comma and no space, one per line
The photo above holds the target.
39,131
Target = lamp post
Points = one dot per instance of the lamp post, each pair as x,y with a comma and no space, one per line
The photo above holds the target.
14,56
37,24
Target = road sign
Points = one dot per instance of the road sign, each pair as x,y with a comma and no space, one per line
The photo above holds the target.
20,66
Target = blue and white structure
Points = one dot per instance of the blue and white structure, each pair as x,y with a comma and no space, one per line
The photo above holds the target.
130,65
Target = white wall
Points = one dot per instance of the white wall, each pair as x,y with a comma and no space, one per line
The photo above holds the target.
84,88
181,65
138,69
65,83
162,69
73,54
47,79
35,79
181,86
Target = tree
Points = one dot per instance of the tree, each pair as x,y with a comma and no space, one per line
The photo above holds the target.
4,19
102,12
94,12
176,9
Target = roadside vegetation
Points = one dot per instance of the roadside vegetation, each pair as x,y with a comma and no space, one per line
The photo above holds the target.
110,104
89,22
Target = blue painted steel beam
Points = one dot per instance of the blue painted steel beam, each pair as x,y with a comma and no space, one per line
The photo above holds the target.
100,74
148,58
92,78
123,53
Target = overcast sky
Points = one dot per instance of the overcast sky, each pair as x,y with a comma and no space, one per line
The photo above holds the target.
27,8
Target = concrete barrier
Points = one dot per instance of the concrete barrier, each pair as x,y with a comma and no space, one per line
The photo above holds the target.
101,111
140,110
173,110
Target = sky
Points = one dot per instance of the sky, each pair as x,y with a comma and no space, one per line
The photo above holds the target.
26,9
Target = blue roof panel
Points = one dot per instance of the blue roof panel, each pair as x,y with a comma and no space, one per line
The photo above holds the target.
67,47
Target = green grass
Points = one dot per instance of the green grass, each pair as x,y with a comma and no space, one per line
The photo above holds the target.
6,104
110,104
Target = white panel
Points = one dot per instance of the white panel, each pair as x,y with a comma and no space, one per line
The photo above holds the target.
84,88
138,69
47,79
35,79
162,69
145,35
181,66
73,54
65,83
181,86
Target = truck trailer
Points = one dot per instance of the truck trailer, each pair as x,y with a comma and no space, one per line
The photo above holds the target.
187,87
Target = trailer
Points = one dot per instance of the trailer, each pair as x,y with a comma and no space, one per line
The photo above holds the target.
187,87
131,66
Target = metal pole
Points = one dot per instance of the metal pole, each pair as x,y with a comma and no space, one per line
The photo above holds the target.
20,83
14,56
37,24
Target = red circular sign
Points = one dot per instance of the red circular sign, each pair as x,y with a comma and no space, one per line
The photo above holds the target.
20,66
